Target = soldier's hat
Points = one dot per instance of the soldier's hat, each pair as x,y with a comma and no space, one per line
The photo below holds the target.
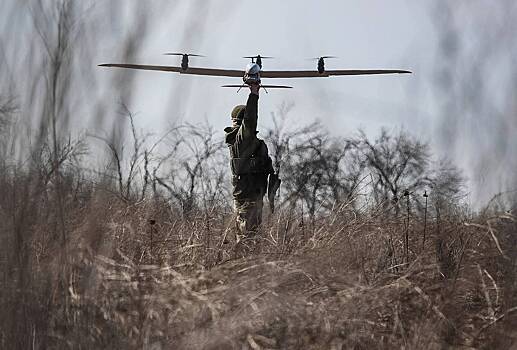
238,113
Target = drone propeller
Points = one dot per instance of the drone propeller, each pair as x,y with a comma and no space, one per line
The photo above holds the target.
262,86
321,62
184,58
183,54
321,57
265,87
257,56
258,59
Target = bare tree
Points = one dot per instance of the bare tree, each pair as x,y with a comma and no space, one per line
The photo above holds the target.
8,110
196,169
126,172
398,163
317,169
446,184
402,165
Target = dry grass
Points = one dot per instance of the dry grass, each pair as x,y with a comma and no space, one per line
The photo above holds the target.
139,275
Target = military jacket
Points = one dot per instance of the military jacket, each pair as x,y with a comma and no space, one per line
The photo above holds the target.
249,159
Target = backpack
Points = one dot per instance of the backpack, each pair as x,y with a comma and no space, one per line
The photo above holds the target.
258,162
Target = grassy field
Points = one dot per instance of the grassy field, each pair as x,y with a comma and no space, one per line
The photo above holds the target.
91,270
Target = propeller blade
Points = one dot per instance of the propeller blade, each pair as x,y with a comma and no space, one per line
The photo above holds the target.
182,54
266,57
276,86
317,58
263,86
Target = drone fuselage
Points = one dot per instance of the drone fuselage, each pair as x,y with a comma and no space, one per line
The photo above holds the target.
251,74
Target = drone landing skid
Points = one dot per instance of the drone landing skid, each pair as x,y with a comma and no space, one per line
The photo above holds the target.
262,86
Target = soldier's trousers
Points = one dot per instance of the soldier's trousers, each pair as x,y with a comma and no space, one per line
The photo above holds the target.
249,215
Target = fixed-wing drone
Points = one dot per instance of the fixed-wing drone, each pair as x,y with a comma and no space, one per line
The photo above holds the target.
253,72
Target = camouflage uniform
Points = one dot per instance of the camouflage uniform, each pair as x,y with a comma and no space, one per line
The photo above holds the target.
250,165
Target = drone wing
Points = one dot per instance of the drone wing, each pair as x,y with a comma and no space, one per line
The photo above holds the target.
213,72
327,73
189,70
292,74
366,71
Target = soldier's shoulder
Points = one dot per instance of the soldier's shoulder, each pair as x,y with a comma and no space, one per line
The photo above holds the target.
231,134
262,144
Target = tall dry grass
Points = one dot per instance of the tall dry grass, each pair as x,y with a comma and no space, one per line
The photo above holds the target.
139,274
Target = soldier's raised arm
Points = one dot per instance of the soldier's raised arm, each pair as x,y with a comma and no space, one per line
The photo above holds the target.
249,122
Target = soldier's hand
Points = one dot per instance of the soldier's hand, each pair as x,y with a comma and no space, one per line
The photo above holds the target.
255,88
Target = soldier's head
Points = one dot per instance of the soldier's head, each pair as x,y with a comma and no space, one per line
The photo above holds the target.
238,115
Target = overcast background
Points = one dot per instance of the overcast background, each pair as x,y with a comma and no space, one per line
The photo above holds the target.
460,98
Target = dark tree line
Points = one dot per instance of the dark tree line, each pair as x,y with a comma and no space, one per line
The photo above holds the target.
319,171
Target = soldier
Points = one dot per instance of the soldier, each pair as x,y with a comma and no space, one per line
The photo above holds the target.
250,165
